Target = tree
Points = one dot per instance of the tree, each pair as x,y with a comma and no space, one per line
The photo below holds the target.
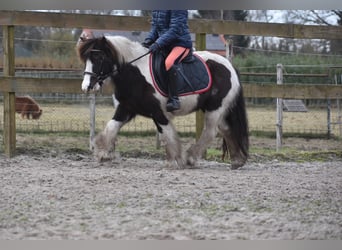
264,16
28,37
336,45
320,17
240,41
61,43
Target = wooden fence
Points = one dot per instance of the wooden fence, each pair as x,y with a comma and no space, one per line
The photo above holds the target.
11,84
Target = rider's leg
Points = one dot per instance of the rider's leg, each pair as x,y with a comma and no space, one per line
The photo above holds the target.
176,55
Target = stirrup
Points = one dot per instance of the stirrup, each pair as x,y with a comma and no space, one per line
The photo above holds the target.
172,105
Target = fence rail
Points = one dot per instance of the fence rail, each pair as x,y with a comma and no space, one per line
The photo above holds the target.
255,90
106,22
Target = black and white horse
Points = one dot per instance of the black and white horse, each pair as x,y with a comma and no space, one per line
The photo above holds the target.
223,104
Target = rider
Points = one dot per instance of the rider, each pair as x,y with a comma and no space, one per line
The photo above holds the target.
170,33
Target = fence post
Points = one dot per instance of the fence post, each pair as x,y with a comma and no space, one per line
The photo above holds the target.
92,103
339,114
328,118
279,124
200,45
338,107
229,50
9,97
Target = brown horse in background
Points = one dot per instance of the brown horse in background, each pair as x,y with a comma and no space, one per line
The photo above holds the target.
26,106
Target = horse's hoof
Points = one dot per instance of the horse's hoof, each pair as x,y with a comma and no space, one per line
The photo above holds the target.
104,156
102,159
190,161
236,165
175,164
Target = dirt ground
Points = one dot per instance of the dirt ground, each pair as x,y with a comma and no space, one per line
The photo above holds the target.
65,194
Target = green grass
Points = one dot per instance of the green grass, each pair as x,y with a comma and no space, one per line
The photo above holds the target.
262,120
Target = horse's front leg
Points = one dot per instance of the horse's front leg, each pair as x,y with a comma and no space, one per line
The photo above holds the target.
172,146
104,142
169,136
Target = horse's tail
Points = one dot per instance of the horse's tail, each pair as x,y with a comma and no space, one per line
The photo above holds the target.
237,142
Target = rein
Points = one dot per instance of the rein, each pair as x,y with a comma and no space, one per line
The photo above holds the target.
130,62
136,59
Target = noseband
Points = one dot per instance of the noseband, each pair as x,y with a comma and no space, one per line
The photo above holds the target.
99,77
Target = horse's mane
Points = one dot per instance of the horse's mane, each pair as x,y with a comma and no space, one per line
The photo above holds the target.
99,43
123,50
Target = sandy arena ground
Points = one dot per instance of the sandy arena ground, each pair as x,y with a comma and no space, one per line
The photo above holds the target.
71,196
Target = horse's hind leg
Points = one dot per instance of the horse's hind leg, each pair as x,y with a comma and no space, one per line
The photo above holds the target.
236,145
237,158
24,111
209,132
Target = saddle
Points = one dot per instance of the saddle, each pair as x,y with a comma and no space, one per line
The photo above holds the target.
195,75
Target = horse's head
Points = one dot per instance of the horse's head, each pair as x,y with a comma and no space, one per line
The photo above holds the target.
37,114
100,59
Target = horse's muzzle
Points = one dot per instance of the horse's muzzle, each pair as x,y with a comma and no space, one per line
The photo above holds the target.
93,86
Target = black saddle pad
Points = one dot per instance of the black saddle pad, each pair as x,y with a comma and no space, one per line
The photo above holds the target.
195,78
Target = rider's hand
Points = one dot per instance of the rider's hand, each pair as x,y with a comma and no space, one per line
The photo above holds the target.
154,47
147,43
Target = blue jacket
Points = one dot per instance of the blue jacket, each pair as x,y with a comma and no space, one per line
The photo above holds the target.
170,29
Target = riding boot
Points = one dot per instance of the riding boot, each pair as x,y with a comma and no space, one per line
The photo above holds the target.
173,101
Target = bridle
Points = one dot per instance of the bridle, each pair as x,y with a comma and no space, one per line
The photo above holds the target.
100,77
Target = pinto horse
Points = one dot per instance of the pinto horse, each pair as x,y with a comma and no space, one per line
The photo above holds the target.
121,61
